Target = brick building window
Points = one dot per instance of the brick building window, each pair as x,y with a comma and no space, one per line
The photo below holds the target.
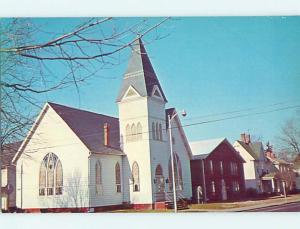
211,167
235,186
213,188
233,168
221,167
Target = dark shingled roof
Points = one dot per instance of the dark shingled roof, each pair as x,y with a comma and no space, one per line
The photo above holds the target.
253,149
8,153
89,127
140,73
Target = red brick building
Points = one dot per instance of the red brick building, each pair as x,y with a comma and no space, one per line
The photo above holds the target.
217,171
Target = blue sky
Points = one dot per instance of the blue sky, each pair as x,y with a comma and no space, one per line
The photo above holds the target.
207,66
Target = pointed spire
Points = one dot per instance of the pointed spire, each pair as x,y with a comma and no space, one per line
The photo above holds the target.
140,73
139,60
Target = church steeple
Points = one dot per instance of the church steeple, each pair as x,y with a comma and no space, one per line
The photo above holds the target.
140,74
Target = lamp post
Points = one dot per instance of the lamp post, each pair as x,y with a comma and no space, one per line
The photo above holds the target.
170,118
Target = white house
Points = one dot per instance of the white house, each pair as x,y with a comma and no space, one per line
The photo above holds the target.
297,171
254,157
79,160
8,176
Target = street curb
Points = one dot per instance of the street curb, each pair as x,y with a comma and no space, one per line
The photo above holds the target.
242,209
269,205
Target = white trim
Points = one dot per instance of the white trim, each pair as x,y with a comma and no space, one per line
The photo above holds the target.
126,97
35,126
245,150
156,88
31,131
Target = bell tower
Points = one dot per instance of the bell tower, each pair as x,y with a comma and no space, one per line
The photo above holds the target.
142,118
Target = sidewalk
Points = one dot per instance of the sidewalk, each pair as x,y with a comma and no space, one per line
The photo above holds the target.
244,205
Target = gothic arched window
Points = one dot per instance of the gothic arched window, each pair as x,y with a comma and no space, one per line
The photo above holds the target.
98,178
139,131
157,131
153,131
51,176
133,132
136,177
118,177
128,133
177,172
160,132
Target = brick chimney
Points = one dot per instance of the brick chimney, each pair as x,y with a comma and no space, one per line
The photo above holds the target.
247,138
243,137
269,151
106,134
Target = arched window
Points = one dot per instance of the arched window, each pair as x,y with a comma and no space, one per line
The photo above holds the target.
153,131
133,132
157,131
98,178
160,132
43,176
128,133
158,170
51,176
59,179
139,131
159,181
118,177
136,177
177,172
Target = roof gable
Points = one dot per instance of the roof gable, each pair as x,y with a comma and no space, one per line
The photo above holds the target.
203,148
249,149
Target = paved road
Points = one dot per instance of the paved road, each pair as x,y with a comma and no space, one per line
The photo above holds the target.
291,207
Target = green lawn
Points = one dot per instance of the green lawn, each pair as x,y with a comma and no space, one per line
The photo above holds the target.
217,206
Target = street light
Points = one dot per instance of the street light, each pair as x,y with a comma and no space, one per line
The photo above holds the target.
170,118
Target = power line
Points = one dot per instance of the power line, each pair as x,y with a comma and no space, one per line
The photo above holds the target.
186,125
243,115
236,111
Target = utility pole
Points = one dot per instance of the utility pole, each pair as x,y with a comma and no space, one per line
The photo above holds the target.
284,191
172,165
204,182
183,113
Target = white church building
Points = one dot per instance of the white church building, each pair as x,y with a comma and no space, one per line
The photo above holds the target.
77,160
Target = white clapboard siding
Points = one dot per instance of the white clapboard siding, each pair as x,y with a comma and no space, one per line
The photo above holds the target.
108,194
183,154
52,135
